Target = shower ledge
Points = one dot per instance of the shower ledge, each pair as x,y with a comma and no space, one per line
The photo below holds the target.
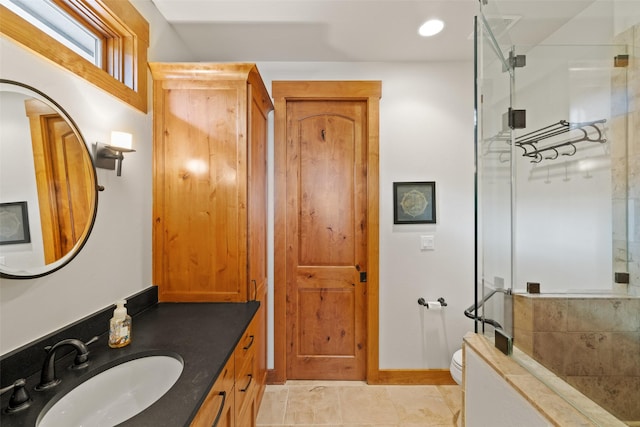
541,388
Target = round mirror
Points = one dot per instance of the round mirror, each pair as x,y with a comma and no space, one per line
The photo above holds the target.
48,186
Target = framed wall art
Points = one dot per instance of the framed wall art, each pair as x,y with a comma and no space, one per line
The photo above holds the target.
414,202
14,223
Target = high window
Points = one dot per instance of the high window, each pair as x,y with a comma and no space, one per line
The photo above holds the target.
109,34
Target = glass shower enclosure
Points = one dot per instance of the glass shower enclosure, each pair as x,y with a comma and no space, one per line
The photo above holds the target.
555,217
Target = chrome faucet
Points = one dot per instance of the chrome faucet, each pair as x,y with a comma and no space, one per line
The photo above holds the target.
48,376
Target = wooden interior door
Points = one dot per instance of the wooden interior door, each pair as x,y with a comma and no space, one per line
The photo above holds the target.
326,187
73,201
63,177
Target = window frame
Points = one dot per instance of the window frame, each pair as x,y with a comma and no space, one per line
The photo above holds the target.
126,39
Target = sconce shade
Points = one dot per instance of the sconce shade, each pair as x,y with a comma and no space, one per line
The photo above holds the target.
109,156
121,141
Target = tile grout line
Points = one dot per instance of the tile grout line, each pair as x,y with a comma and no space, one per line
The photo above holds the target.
448,403
286,406
340,405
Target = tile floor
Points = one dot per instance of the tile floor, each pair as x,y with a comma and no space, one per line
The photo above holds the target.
356,404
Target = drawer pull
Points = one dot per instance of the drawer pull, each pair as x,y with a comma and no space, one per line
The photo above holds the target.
224,400
248,346
248,384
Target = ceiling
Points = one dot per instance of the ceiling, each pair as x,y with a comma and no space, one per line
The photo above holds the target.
351,30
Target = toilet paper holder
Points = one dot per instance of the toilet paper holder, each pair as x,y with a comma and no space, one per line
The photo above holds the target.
432,304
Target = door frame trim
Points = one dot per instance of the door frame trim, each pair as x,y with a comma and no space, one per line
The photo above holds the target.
283,91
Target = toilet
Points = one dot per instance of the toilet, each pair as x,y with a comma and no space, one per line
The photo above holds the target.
456,366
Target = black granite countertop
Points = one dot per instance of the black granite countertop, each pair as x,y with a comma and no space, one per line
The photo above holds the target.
204,335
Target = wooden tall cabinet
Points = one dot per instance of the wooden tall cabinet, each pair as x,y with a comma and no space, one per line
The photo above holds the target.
210,192
209,183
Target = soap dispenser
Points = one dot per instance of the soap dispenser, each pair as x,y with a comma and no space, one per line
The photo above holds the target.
120,326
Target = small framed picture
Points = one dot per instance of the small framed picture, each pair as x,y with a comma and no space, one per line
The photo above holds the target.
14,223
414,202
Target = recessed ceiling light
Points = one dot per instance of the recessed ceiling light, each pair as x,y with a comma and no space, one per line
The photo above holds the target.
431,28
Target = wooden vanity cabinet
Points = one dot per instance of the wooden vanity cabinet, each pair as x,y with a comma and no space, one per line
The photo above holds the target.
209,181
236,394
235,397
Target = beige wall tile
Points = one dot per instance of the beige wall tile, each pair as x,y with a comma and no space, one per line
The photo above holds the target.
626,315
592,314
549,314
587,406
588,353
616,394
523,339
523,312
549,349
626,354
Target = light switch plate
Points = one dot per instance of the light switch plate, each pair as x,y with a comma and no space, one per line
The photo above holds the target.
427,243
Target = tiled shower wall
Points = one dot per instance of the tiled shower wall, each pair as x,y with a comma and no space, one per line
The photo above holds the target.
591,342
625,143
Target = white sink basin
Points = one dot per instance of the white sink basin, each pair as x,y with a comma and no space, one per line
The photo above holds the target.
115,395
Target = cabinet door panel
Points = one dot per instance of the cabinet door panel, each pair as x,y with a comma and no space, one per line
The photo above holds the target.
260,359
203,190
257,181
248,417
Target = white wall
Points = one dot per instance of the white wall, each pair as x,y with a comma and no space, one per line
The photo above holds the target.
116,260
426,133
18,180
563,207
563,217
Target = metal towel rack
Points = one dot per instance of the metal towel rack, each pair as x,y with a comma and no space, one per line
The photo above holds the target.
586,131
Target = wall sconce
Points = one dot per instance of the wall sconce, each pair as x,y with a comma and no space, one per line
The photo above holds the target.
108,155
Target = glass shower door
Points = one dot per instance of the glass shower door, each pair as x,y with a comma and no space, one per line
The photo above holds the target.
556,207
494,188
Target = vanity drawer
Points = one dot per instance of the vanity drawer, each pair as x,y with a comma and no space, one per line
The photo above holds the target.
248,343
245,378
245,384
248,416
219,403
